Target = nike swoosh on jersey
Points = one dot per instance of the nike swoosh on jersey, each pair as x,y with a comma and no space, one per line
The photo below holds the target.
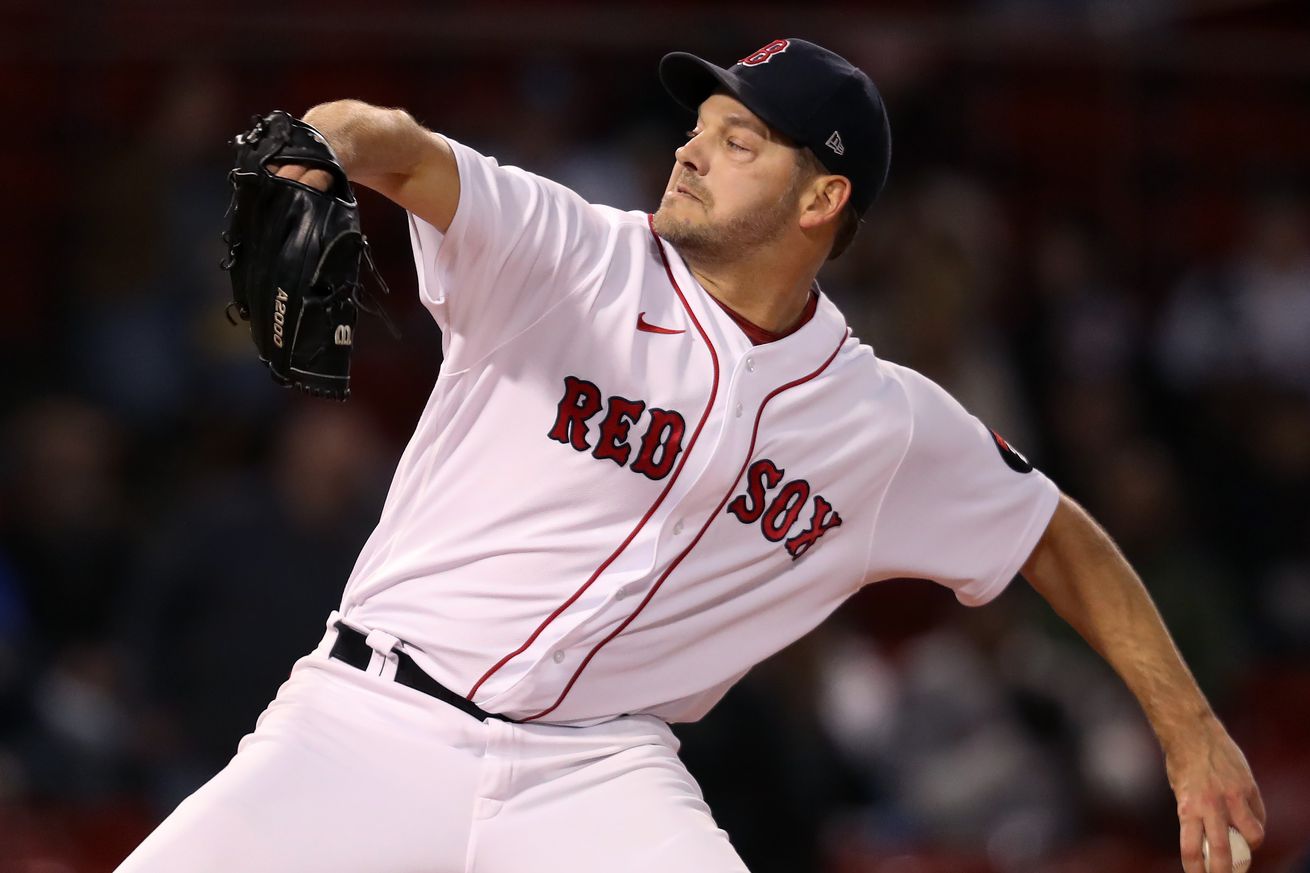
643,324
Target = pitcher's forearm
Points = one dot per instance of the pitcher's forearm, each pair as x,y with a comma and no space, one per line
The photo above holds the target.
1085,578
1140,649
370,141
390,152
1081,573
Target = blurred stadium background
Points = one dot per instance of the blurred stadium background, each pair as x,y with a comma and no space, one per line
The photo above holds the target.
1096,235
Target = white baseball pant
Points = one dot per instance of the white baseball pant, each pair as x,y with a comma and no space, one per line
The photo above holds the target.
350,772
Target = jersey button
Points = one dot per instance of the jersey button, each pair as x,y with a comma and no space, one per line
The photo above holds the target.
558,656
739,410
677,528
750,365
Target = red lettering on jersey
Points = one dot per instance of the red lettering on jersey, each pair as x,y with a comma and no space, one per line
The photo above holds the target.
622,414
580,402
763,476
778,516
663,436
785,509
762,56
660,444
820,523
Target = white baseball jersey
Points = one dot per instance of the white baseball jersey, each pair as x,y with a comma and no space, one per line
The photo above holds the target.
614,503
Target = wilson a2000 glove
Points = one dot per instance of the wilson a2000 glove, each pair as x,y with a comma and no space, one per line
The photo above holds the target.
294,256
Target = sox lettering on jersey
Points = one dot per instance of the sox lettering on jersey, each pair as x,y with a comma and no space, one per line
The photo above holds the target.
661,442
779,515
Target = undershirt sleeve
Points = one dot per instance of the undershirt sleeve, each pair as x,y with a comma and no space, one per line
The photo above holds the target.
517,245
963,509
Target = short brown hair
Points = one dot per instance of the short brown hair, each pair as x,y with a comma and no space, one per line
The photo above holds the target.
848,222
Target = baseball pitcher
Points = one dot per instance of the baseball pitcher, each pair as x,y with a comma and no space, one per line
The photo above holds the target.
654,456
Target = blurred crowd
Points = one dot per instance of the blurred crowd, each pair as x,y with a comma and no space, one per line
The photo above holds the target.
174,529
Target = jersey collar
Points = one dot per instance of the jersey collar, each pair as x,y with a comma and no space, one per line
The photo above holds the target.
800,351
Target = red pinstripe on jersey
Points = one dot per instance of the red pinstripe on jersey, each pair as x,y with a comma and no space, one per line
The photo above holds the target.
706,526
714,391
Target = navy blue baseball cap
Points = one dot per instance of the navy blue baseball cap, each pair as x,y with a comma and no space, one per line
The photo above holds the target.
814,96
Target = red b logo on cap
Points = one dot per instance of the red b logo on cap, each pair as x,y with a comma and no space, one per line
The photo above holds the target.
762,56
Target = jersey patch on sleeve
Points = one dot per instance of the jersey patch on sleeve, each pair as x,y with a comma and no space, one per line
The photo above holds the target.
1015,461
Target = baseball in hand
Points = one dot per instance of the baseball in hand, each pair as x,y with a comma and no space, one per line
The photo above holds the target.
1237,845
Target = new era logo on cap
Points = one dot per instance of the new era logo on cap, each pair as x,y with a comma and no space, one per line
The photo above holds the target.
834,142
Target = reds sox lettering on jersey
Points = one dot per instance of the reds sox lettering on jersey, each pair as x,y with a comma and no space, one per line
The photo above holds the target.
614,503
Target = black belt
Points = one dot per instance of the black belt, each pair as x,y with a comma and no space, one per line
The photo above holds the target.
352,647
